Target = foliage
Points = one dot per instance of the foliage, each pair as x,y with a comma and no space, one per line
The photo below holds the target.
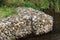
6,11
40,4
44,4
37,4
12,2
29,4
57,5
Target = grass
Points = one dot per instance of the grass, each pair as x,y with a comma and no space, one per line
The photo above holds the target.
6,11
43,4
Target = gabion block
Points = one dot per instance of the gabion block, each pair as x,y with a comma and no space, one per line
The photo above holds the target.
41,22
14,27
27,21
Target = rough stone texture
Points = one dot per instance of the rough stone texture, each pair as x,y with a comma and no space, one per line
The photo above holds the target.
41,22
27,20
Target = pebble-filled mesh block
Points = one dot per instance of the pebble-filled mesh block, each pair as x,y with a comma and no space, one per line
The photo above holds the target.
27,21
41,22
